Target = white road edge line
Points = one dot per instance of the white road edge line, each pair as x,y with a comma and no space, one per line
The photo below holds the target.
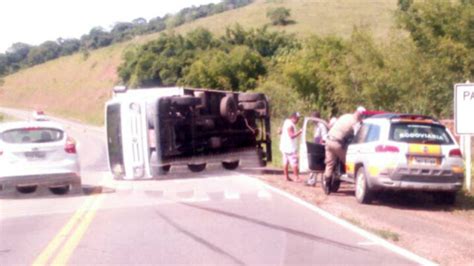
374,238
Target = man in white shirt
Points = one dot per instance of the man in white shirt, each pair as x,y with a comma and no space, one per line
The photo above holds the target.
289,145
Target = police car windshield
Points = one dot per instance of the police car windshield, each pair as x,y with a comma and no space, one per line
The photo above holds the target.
420,133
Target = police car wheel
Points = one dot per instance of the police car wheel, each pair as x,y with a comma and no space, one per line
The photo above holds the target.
326,185
362,191
335,185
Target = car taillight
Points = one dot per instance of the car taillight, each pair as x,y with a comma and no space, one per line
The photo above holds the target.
386,148
70,146
455,153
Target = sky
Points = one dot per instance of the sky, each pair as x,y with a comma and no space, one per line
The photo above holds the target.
36,21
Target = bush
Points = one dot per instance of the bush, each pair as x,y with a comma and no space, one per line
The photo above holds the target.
279,16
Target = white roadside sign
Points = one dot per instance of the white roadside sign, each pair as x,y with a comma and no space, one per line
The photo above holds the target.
464,108
464,123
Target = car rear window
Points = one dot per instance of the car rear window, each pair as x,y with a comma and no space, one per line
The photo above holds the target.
420,133
32,135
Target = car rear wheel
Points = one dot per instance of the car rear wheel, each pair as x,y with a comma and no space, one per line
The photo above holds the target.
60,190
230,165
362,192
199,167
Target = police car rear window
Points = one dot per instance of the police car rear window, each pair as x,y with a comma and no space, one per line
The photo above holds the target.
31,135
420,133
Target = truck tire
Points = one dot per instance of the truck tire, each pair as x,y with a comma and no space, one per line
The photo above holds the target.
228,109
250,97
26,189
197,167
60,190
230,165
252,105
186,101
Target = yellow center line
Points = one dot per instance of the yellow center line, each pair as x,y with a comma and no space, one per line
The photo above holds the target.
80,220
43,258
66,251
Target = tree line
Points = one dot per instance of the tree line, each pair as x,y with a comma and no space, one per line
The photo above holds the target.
22,55
412,72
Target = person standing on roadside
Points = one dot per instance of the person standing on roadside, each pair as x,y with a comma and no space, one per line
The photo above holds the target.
289,145
338,138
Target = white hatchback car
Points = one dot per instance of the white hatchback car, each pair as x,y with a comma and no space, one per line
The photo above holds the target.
38,153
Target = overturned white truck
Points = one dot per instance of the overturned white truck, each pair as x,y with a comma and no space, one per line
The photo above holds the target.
150,130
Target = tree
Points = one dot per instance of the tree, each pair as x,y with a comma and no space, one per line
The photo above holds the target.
122,31
18,52
69,46
238,70
96,38
3,64
44,52
279,16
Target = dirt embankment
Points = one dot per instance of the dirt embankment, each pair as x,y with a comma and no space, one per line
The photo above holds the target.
441,233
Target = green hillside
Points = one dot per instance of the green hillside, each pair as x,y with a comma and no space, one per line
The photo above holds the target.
77,86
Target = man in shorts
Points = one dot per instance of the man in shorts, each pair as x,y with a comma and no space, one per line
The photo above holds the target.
289,145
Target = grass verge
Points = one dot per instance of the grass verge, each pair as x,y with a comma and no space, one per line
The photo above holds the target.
383,233
6,118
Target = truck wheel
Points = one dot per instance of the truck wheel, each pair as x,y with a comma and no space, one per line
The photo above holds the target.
27,189
199,167
252,105
228,109
362,192
186,101
60,190
230,165
250,97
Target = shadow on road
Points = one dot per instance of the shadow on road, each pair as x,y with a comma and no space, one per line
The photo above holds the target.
45,192
200,240
277,227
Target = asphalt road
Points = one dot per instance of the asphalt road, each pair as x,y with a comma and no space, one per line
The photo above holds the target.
211,218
